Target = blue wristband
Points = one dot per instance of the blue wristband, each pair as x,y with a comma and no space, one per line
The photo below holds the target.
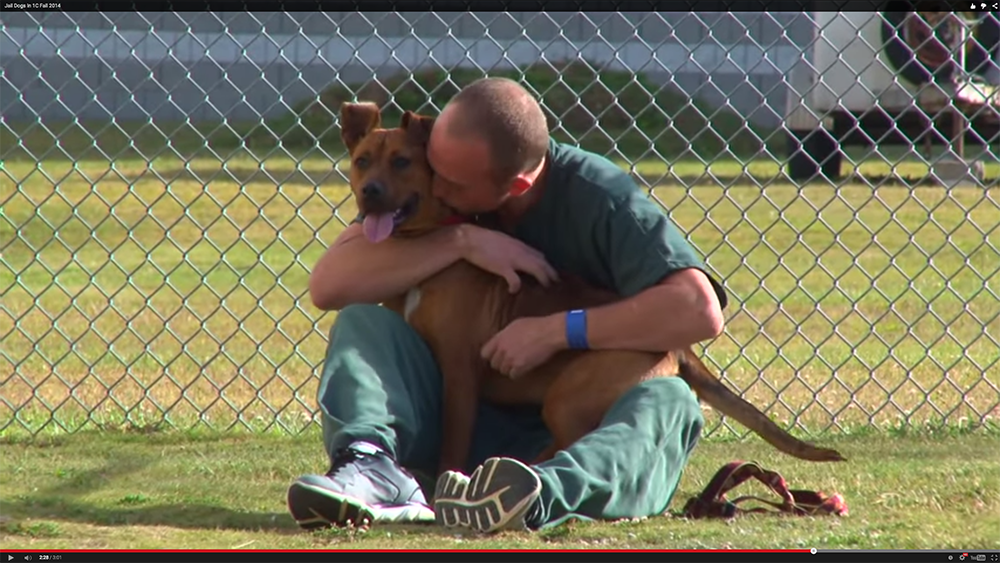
576,329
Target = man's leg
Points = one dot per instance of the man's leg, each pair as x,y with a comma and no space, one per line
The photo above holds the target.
380,394
519,433
629,467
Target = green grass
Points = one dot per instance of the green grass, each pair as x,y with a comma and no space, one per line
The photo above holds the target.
908,490
178,285
181,287
174,262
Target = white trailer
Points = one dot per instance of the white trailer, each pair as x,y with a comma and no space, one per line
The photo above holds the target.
871,81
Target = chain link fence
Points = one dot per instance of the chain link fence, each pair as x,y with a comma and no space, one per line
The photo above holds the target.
169,180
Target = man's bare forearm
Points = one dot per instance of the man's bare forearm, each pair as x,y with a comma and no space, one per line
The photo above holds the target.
354,270
664,317
668,316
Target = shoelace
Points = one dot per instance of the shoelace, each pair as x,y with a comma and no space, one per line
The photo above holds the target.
342,459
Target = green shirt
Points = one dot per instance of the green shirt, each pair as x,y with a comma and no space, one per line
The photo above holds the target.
593,221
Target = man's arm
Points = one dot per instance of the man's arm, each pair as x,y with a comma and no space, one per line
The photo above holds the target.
681,310
668,300
354,270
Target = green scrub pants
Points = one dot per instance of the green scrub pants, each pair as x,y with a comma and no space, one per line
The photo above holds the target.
381,384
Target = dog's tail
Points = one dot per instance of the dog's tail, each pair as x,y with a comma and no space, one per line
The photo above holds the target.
712,391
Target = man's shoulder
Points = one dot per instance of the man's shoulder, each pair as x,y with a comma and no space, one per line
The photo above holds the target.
593,176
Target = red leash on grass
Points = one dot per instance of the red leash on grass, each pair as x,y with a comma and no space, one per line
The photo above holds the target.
712,502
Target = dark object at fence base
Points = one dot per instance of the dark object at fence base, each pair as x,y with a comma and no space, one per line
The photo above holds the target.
812,153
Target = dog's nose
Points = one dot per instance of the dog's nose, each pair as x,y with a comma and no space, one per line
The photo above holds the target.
372,191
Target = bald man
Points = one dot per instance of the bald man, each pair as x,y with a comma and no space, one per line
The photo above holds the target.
548,206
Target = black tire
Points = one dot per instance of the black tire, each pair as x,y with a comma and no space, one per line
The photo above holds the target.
987,35
813,152
900,55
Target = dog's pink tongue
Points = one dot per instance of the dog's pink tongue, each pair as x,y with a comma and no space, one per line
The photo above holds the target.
377,227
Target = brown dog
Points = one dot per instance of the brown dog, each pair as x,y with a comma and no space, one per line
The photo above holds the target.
391,180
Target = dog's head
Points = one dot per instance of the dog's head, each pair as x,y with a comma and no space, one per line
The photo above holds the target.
390,176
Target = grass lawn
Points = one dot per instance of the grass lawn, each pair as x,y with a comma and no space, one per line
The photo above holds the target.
181,287
912,490
137,287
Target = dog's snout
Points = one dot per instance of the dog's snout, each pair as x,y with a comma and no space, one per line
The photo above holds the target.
373,191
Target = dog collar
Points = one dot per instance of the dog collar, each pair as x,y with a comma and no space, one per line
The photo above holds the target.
454,220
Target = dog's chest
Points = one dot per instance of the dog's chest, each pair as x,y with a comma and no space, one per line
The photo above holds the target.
411,303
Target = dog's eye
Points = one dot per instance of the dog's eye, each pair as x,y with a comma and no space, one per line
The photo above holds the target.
400,162
361,162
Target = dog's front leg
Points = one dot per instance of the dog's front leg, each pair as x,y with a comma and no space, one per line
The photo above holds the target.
461,373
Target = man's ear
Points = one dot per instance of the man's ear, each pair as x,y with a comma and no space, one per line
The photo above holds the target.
356,121
418,127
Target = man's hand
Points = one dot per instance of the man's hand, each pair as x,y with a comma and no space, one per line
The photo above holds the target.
525,344
504,256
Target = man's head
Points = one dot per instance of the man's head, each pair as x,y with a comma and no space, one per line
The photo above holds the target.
489,143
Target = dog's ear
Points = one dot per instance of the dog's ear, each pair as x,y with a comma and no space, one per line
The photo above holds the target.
418,127
356,121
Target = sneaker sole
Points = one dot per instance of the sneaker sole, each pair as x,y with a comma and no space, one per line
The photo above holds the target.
496,496
315,508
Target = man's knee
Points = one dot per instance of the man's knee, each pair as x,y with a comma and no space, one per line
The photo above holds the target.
373,347
361,340
674,391
669,403
364,320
